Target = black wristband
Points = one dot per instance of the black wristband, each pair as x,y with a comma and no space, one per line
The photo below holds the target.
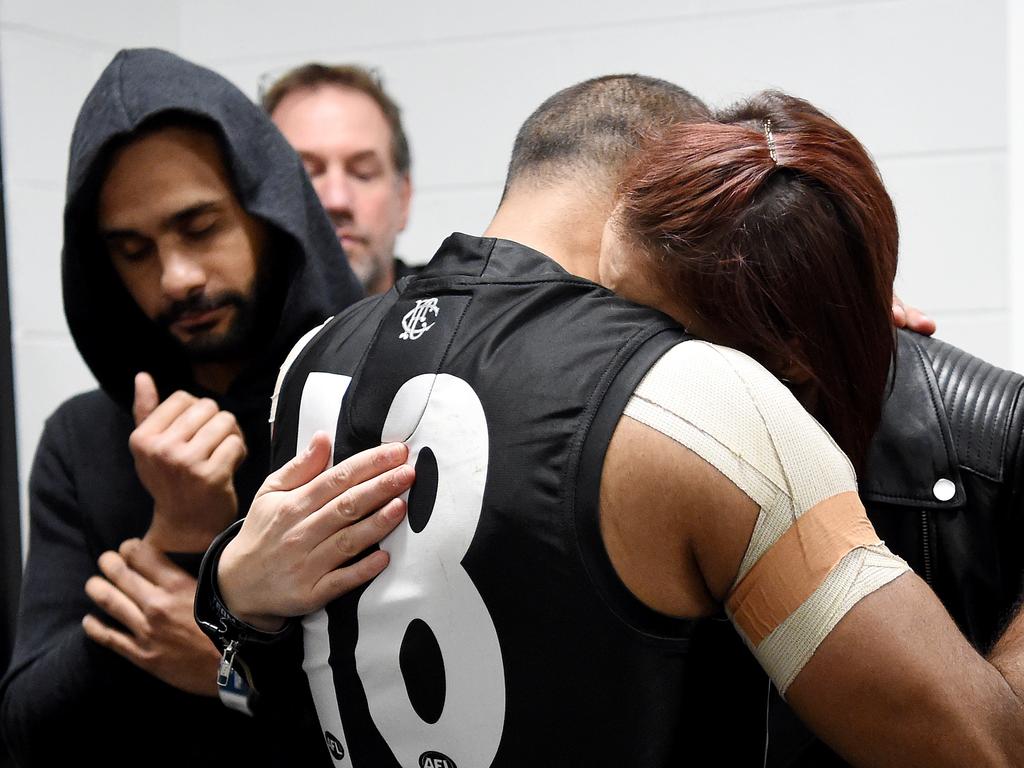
213,616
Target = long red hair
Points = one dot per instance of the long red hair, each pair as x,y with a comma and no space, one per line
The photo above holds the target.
789,258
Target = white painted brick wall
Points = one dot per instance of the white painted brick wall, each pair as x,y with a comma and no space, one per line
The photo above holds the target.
921,82
1015,172
51,53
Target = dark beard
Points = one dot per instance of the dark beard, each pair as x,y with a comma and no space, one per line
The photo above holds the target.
238,341
257,316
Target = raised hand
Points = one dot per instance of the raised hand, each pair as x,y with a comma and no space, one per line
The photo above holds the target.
295,550
152,598
186,452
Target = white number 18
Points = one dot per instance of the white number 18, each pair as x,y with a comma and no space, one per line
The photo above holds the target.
424,580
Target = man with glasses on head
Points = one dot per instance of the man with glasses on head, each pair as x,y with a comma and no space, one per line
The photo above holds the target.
349,134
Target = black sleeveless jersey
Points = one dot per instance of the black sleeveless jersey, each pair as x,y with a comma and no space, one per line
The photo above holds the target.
498,635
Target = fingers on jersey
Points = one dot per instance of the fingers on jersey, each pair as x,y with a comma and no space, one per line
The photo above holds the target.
302,468
340,581
315,488
294,552
349,474
343,544
352,505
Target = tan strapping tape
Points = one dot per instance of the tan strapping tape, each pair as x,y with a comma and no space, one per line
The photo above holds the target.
796,565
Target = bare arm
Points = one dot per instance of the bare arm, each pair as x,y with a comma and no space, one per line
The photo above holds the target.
896,679
893,682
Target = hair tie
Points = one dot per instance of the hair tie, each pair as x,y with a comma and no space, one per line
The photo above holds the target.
770,138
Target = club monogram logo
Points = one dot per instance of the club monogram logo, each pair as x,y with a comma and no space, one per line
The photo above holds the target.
415,324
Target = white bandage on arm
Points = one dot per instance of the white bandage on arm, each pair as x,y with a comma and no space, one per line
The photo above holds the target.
785,651
813,554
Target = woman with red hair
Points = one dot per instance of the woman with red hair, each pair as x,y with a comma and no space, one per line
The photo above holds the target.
769,231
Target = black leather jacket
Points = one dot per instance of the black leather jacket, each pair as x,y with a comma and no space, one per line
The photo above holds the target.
953,417
950,417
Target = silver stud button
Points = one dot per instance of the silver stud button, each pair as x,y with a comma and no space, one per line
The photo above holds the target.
944,489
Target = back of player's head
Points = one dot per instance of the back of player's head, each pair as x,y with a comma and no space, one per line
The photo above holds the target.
777,231
315,75
594,128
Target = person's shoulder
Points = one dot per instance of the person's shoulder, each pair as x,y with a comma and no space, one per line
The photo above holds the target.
955,367
725,388
981,402
87,430
701,362
88,410
735,414
403,270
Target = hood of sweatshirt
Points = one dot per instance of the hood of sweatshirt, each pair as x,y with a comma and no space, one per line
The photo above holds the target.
310,279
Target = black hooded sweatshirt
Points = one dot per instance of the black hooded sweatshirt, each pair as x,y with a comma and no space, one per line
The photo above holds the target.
64,697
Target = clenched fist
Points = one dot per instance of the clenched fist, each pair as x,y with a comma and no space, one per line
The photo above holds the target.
186,451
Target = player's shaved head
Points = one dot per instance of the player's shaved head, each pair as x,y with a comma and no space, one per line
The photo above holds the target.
593,128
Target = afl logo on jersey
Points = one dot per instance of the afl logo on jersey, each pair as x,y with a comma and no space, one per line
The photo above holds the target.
334,746
415,324
436,760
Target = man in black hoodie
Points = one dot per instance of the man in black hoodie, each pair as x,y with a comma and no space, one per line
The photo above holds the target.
195,254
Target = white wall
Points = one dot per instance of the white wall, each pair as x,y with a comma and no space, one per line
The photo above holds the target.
921,82
1015,206
51,53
